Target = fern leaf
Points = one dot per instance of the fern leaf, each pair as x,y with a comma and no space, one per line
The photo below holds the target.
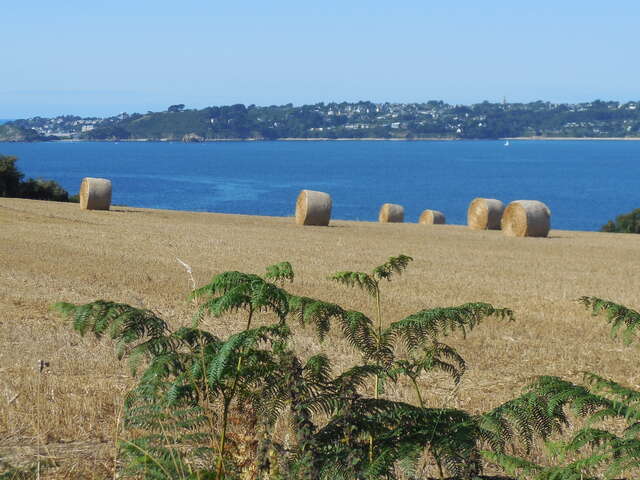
361,280
317,369
229,350
524,418
618,316
315,312
357,329
137,332
427,325
512,465
593,437
560,393
225,281
609,387
395,265
280,272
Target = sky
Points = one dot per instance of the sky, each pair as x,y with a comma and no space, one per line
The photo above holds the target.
105,57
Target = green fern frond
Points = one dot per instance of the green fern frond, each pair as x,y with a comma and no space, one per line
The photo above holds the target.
395,265
524,418
593,437
317,370
560,393
513,465
280,272
221,365
618,316
354,378
222,296
427,325
137,332
581,469
309,311
224,282
357,329
437,356
361,280
609,387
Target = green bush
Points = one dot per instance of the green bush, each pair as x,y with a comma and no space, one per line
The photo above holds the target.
40,189
11,184
10,177
625,223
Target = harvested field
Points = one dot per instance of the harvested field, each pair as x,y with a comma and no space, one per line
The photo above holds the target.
54,251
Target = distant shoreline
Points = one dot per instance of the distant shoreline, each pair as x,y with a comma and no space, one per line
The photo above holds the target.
323,139
366,139
573,138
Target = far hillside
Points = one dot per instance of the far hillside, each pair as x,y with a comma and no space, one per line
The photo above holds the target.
356,120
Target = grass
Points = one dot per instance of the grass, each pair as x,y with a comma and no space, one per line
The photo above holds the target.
54,252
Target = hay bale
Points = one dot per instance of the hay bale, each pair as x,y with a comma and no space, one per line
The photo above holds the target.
485,214
526,218
432,217
390,213
95,194
313,208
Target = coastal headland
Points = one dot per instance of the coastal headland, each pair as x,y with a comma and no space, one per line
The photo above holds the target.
364,120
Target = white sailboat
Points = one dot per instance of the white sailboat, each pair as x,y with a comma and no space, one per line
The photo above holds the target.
506,143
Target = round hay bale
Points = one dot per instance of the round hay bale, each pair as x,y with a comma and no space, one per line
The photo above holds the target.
95,194
391,213
313,208
526,218
432,217
485,214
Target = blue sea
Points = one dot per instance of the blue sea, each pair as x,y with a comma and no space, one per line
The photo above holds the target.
585,183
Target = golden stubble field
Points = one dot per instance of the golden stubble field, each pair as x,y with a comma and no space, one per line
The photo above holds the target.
51,252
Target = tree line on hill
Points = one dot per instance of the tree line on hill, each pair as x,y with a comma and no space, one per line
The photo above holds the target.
433,119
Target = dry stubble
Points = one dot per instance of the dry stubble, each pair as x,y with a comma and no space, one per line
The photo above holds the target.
51,252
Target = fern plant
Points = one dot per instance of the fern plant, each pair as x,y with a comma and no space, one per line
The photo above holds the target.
192,379
378,345
190,383
600,451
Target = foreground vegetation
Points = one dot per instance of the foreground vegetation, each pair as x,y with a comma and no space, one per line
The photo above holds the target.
178,417
194,382
131,257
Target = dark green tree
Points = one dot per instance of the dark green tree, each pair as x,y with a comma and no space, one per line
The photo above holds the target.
10,177
626,223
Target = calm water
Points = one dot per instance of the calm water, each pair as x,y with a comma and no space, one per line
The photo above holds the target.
585,183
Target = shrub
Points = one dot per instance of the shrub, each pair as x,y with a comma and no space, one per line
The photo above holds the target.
608,444
10,177
11,184
40,189
625,223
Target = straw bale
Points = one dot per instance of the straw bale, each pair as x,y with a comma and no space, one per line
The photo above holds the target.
313,208
95,194
526,218
390,212
432,217
485,214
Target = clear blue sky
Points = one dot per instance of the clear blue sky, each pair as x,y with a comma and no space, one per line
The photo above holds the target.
104,57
